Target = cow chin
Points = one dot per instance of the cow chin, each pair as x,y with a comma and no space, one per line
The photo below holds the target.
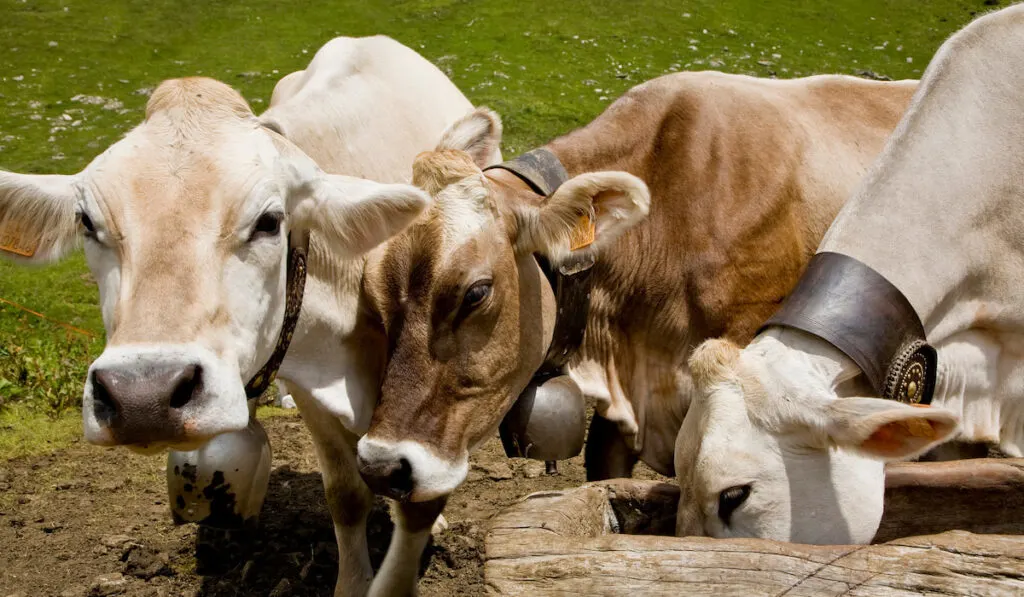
157,447
408,470
155,397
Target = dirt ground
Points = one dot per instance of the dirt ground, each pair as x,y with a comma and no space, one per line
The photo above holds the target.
88,521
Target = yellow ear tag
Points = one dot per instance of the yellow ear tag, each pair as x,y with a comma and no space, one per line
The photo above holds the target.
12,242
583,234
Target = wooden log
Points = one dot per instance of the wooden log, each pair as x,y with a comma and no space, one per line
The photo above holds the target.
955,563
568,543
984,495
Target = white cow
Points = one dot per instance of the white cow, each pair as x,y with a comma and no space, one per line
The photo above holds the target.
774,446
186,222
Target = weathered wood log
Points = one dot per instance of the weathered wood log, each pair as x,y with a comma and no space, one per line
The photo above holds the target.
984,495
570,542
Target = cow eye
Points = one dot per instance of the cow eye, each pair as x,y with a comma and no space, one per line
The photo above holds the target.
476,294
86,221
731,499
269,224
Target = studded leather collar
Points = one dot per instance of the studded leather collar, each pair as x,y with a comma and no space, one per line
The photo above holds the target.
854,308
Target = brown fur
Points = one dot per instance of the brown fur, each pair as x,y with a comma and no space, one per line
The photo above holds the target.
745,177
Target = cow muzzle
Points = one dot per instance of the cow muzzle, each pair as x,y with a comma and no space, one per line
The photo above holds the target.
180,396
408,470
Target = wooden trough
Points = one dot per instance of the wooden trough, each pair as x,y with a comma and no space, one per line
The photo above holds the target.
950,528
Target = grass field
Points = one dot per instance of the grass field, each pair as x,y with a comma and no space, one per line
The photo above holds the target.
75,74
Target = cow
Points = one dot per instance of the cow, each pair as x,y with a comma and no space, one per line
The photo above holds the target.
787,438
704,194
189,225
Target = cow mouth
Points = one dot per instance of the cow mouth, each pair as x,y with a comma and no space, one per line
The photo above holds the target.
395,494
151,448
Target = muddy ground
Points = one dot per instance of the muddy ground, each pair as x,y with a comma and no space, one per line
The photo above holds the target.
88,521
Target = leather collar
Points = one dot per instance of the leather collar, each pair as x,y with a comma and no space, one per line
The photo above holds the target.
296,286
854,308
540,169
570,279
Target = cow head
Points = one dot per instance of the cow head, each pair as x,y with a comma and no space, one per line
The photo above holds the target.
466,309
769,450
186,223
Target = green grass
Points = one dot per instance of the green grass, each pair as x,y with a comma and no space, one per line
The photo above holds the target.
25,431
74,76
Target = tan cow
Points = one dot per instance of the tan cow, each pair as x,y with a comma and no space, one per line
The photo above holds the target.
742,176
186,223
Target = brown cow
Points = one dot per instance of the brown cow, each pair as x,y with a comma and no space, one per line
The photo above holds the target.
744,176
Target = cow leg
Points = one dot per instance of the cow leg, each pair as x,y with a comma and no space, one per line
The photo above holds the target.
399,573
607,456
348,498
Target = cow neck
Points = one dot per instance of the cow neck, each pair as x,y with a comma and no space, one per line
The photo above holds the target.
855,309
295,289
542,173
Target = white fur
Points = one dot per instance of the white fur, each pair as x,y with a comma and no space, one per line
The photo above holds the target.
355,215
477,134
776,422
433,476
465,212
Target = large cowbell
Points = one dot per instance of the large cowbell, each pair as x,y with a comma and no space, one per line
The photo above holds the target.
223,483
548,420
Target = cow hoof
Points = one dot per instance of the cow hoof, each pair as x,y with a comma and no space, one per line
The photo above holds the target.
222,484
440,526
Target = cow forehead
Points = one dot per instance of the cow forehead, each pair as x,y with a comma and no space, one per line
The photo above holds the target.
460,221
189,159
463,211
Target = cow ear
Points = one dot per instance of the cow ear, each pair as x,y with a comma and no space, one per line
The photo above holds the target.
885,429
590,209
478,134
354,215
37,216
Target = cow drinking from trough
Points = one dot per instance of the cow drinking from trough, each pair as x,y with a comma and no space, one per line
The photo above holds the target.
187,222
780,442
738,179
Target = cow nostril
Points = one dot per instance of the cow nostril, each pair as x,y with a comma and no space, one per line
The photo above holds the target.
392,478
188,382
105,407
